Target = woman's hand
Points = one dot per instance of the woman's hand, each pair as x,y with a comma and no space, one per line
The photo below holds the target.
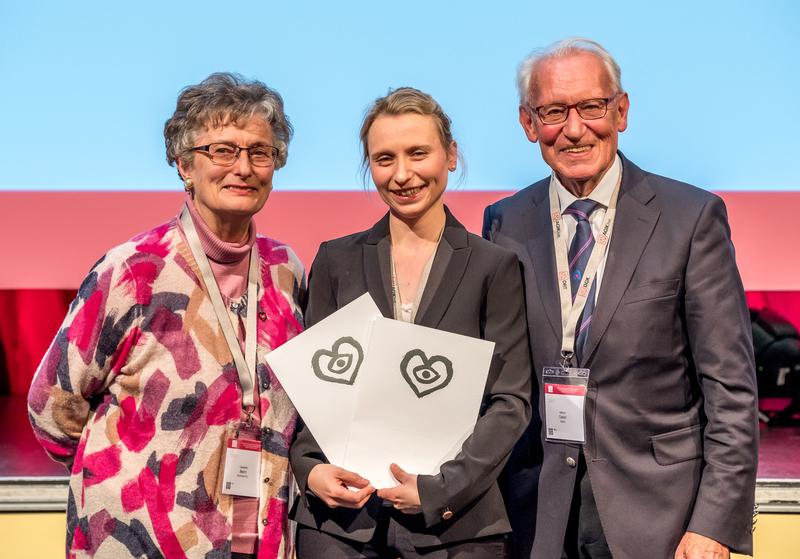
330,483
405,496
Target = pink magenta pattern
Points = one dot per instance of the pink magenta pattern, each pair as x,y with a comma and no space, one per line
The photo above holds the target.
135,395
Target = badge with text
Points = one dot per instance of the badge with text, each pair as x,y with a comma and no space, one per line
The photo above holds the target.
565,391
242,464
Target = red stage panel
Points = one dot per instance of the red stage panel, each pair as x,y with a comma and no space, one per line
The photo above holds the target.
51,239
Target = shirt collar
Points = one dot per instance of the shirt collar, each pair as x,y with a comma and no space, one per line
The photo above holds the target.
602,192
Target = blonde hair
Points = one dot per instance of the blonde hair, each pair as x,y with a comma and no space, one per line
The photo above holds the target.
400,101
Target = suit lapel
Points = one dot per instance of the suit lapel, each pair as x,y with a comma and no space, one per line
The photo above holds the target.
634,224
449,265
378,266
539,235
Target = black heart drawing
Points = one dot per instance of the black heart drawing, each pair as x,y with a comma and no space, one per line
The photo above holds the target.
339,364
426,374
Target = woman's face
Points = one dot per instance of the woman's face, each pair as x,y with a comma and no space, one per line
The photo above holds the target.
225,194
408,163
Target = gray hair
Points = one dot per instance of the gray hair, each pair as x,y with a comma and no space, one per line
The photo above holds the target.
221,99
563,49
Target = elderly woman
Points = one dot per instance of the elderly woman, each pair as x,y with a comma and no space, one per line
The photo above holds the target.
420,265
155,393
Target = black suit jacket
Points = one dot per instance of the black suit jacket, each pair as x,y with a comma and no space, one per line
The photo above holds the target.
474,289
671,442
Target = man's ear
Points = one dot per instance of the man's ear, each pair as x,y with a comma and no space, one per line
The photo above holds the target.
527,120
621,113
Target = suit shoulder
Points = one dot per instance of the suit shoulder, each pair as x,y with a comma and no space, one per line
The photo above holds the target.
519,198
489,250
678,192
341,247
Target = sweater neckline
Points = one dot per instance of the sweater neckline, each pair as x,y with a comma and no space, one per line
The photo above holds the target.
217,250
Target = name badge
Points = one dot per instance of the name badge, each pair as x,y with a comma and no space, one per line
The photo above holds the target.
565,391
242,469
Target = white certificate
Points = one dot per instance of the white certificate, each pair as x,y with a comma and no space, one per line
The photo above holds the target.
418,399
321,370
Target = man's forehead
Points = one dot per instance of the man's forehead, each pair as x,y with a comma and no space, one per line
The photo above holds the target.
571,73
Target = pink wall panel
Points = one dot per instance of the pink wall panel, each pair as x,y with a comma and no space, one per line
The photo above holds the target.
51,239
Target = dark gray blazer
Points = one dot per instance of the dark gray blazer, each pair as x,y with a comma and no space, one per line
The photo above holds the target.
671,441
474,289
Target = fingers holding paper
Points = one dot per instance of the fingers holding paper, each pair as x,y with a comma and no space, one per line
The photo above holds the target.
332,484
404,497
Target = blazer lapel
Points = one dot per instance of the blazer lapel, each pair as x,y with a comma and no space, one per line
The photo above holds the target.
449,265
378,266
633,226
539,235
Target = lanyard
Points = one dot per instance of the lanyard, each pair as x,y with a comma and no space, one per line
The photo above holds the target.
245,367
571,309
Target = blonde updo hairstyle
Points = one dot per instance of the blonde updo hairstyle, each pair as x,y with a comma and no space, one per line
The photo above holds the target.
400,101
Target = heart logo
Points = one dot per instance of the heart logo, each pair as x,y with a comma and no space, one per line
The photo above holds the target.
426,374
340,364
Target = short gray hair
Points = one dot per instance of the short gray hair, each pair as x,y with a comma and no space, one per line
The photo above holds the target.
563,49
221,99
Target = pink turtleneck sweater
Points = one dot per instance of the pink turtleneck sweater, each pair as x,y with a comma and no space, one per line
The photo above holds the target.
230,265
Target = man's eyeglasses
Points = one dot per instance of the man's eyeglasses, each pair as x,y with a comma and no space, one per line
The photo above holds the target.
223,153
588,109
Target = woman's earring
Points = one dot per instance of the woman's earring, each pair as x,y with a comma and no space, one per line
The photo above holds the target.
188,184
452,167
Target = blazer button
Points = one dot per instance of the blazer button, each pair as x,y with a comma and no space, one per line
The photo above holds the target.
571,462
447,514
265,521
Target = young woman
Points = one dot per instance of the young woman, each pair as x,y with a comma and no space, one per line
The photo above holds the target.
420,265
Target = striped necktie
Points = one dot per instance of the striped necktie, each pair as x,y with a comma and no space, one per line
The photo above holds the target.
579,251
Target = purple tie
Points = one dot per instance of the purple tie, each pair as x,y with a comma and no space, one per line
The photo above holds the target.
579,251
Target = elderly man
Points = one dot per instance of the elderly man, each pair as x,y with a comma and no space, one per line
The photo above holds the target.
646,445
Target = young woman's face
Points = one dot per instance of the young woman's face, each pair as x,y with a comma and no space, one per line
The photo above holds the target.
408,163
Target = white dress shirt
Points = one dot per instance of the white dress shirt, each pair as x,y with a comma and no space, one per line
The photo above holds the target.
602,193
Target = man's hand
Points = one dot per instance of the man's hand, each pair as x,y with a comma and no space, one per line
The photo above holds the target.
405,496
330,483
695,546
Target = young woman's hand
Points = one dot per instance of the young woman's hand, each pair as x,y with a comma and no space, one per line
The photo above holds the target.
332,484
405,496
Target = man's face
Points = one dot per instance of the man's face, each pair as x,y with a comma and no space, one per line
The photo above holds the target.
579,151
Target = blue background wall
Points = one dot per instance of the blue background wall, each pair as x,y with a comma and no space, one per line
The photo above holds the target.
87,86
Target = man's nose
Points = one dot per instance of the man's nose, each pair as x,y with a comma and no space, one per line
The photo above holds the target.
574,126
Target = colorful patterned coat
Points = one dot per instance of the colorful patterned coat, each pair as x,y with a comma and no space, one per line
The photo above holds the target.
135,393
